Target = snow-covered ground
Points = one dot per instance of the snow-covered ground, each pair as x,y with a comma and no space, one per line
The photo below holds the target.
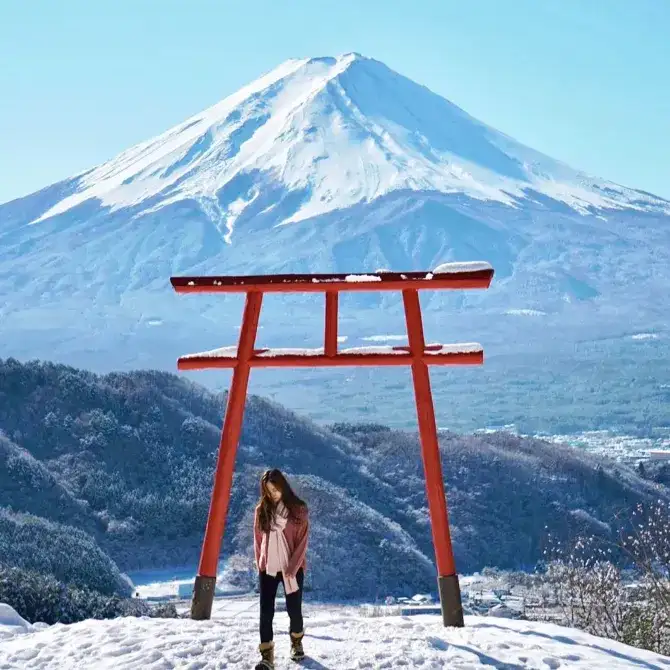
337,638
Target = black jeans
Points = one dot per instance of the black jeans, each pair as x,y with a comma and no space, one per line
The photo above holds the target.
268,589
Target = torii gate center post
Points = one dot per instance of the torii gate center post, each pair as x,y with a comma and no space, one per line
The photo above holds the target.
418,355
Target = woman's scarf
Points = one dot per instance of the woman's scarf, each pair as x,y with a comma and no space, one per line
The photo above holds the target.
276,546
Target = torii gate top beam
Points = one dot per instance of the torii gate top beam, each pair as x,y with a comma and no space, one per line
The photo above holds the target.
447,276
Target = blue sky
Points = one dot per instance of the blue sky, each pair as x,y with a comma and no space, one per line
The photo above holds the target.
585,81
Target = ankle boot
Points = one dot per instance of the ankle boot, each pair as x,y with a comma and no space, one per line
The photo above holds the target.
267,661
297,652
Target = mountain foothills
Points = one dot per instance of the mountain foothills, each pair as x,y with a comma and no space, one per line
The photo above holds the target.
102,474
341,164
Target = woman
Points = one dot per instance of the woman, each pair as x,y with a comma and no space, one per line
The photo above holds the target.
281,528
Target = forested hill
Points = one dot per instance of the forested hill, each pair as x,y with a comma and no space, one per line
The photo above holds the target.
128,458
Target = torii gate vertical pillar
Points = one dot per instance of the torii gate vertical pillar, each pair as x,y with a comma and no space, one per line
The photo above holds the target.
205,581
449,589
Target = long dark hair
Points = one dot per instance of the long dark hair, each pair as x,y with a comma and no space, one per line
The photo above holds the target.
266,508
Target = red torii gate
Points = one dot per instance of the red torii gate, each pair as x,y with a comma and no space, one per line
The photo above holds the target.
418,355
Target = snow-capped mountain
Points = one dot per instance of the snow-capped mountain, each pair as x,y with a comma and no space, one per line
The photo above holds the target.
326,164
340,131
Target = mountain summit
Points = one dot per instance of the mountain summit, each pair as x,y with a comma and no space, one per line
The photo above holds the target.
342,165
338,131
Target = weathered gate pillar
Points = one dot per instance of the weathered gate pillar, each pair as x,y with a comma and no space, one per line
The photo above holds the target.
448,586
205,581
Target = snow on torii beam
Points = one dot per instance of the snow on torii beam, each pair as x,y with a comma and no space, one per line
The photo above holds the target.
418,355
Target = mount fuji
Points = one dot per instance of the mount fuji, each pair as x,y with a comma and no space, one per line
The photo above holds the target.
343,165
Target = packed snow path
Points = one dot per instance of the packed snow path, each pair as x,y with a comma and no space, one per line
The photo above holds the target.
337,639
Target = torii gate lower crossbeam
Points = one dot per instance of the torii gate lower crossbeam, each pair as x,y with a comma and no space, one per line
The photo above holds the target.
418,355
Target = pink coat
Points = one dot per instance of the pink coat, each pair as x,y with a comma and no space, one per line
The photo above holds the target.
296,534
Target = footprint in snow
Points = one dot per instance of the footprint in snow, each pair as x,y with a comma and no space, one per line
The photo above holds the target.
437,643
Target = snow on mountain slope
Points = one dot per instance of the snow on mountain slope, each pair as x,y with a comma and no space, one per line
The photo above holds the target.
333,165
343,130
335,637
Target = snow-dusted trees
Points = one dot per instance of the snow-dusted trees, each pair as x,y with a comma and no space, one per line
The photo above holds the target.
69,554
619,590
38,597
